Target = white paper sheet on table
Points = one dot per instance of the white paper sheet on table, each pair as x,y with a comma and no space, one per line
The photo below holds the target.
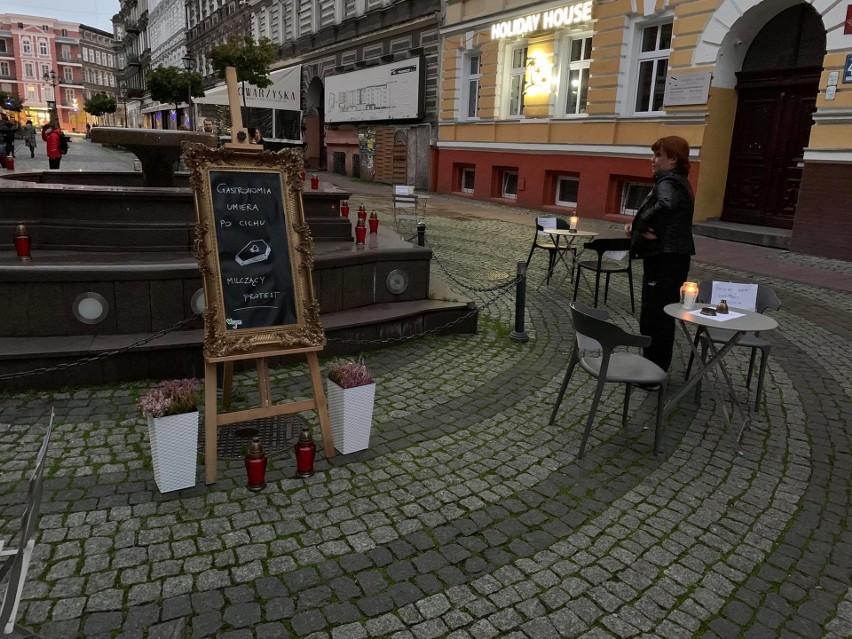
736,294
724,317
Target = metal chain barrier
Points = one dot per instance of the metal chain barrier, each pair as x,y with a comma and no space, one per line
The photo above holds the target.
102,355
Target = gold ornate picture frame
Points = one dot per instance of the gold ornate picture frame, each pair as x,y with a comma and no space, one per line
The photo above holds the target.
254,251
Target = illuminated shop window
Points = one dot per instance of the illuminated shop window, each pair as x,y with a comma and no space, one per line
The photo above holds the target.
576,74
517,81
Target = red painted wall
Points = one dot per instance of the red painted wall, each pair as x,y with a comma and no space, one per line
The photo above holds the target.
600,178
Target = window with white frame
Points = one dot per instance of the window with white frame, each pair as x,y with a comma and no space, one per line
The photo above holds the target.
471,74
655,43
567,189
510,185
4,68
576,73
517,74
42,47
2,46
468,177
68,74
29,71
45,72
26,46
31,93
632,196
69,97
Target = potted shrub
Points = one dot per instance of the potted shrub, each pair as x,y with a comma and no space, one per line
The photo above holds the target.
351,391
171,409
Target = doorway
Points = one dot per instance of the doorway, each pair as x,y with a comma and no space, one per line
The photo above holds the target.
776,99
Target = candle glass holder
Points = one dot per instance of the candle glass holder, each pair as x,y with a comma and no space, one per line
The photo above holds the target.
688,294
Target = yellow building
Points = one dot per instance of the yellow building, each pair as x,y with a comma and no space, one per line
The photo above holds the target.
554,106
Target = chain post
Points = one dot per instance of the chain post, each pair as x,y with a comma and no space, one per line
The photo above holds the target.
519,334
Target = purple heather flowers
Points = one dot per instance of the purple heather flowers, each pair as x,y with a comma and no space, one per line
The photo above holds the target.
170,397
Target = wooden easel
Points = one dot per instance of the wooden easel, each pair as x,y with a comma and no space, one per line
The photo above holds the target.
213,419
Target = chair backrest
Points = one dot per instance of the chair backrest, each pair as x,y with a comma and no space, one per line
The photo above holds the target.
17,562
595,333
403,189
765,298
614,248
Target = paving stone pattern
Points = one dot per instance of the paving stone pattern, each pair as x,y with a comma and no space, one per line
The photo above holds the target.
469,516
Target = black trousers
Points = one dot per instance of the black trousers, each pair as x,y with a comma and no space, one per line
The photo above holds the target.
53,163
663,276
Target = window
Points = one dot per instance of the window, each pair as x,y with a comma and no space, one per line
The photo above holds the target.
2,46
576,78
42,47
566,191
26,46
68,74
69,97
468,177
632,196
64,33
31,93
655,46
66,53
517,81
29,71
510,185
4,68
45,72
470,87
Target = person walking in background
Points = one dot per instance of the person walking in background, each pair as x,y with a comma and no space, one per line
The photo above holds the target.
30,137
51,139
661,234
7,128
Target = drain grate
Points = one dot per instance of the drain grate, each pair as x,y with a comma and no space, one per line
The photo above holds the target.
277,434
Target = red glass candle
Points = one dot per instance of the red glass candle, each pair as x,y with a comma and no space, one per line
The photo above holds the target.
305,449
314,181
362,212
23,243
374,222
256,466
344,208
360,232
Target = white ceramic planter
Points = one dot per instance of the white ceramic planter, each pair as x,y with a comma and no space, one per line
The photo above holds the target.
350,411
174,447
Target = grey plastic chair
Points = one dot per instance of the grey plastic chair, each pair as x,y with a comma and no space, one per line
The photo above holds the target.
542,241
17,559
607,267
766,300
595,341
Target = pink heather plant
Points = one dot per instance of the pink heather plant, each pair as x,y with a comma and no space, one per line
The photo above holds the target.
348,374
170,398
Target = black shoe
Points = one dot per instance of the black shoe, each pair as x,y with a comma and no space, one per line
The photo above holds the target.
648,387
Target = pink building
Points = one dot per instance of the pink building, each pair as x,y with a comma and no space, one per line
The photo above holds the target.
40,62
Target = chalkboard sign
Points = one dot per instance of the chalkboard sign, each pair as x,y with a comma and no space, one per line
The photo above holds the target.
254,250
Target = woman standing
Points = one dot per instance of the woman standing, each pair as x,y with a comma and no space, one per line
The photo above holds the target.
661,234
30,137
51,139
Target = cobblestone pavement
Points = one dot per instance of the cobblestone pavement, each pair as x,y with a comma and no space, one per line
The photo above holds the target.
469,516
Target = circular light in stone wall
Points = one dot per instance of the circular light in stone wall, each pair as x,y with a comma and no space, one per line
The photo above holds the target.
198,301
90,308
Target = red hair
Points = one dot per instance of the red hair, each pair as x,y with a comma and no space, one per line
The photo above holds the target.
676,148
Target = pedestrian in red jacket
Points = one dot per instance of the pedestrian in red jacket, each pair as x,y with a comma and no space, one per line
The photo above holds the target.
51,139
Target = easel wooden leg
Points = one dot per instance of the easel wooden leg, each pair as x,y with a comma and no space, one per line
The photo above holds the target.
211,423
227,383
263,384
322,406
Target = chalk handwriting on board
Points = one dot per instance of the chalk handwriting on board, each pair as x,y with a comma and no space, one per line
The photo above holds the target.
254,257
737,295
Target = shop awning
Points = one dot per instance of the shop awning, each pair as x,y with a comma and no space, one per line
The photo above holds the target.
283,93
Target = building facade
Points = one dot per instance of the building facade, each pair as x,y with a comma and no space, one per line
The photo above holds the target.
553,106
40,62
100,71
133,48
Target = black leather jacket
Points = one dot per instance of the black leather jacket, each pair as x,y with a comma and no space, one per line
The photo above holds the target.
668,212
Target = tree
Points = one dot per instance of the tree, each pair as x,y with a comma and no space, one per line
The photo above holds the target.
11,102
171,85
251,60
99,104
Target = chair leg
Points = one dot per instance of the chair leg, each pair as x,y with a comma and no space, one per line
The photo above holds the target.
658,427
529,257
597,285
703,360
565,380
576,284
630,283
591,418
750,367
764,355
627,389
692,353
606,288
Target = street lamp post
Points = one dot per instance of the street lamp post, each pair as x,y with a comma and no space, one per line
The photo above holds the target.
188,63
122,94
51,78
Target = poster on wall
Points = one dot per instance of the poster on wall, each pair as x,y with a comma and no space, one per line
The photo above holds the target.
687,88
387,92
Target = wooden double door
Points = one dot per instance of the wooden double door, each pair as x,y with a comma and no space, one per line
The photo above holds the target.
772,128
